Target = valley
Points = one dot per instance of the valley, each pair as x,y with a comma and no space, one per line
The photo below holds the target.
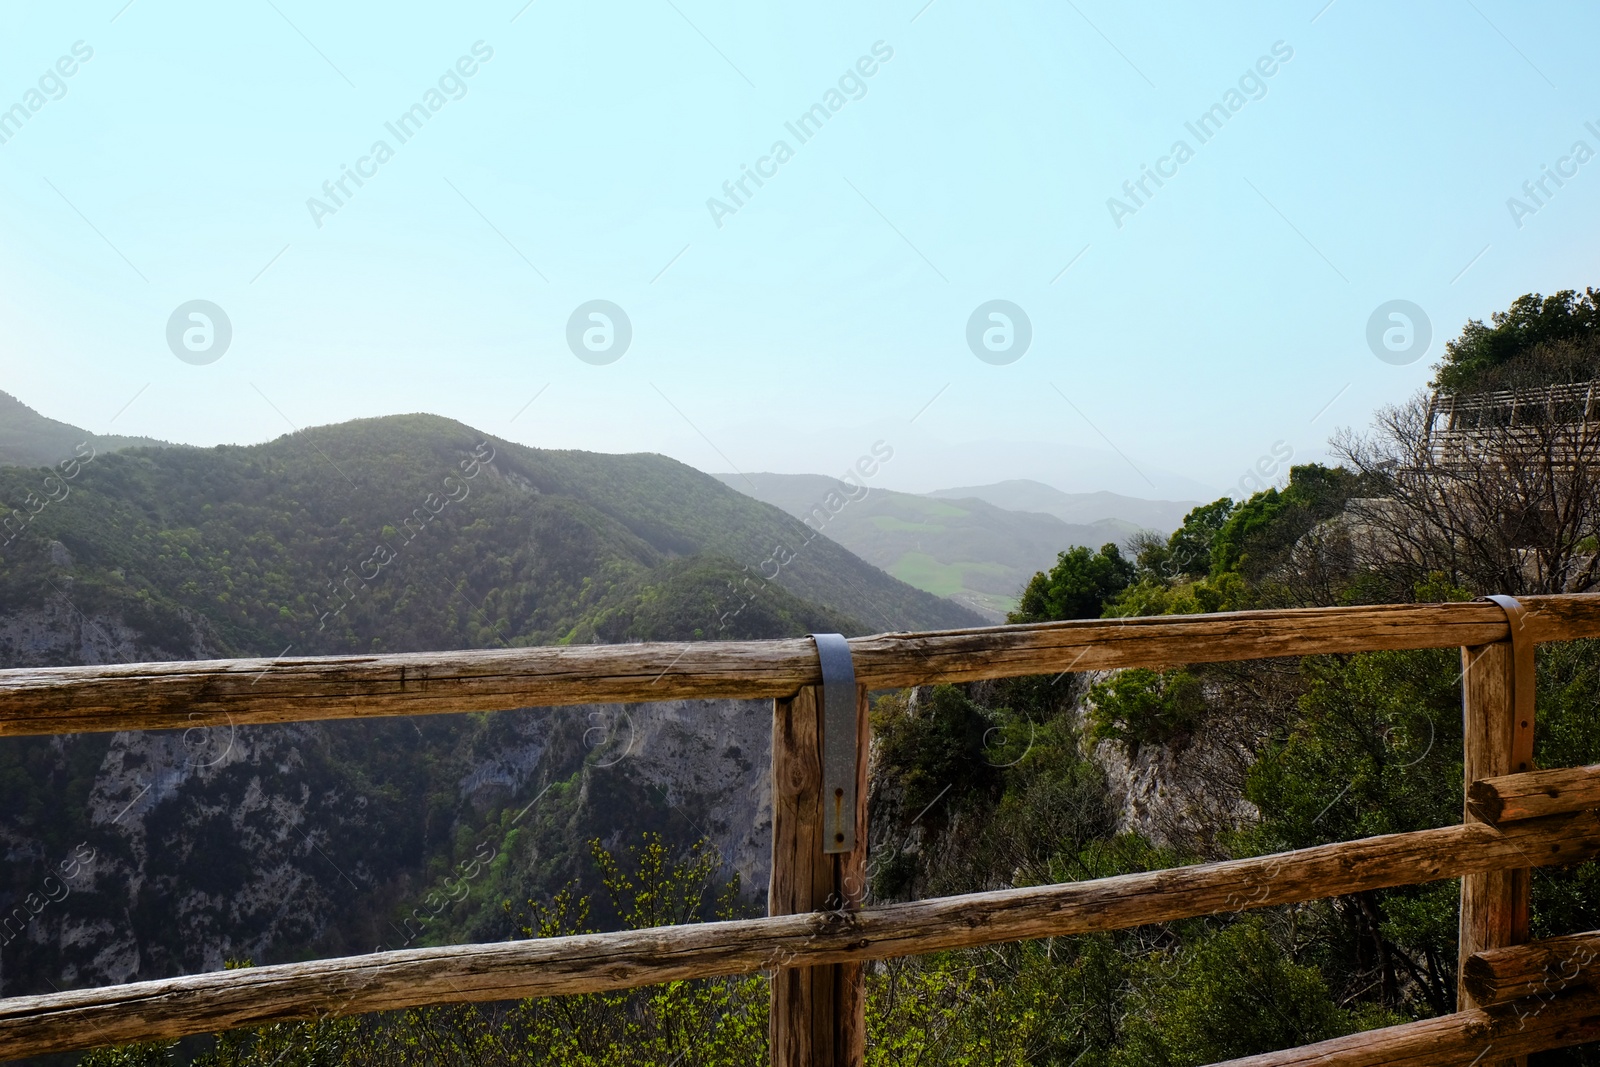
977,546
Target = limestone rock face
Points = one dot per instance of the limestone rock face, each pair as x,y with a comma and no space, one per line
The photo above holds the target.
1184,793
279,842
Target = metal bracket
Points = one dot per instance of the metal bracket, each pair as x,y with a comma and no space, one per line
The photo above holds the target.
1522,679
839,756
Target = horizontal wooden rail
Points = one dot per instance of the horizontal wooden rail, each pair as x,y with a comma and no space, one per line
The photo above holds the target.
219,1000
1477,1036
1534,793
162,696
1539,968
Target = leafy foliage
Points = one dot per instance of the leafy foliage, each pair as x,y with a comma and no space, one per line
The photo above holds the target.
1189,552
709,1023
1157,996
1260,532
1471,359
1140,707
1232,994
935,744
1078,587
1230,555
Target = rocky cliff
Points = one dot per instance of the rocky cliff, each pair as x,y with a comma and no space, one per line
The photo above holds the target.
282,842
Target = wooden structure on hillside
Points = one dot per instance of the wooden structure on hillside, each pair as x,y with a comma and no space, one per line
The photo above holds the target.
1463,429
1516,996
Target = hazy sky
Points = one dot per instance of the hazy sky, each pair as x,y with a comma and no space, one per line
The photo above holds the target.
1365,154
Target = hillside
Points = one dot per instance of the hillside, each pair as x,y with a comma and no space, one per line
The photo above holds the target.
1128,513
394,534
28,439
966,549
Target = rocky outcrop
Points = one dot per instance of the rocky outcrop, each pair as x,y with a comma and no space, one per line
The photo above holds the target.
1188,792
57,634
304,839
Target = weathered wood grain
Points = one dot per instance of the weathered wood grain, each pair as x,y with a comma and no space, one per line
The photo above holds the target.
1528,796
1562,617
1472,1037
164,696
203,1003
1538,969
818,1014
1167,641
1494,904
851,882
802,879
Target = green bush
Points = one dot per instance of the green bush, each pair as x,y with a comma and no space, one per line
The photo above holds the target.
1232,994
937,746
1079,586
1140,707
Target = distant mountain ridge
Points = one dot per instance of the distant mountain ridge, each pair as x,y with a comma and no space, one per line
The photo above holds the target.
966,549
29,439
1132,513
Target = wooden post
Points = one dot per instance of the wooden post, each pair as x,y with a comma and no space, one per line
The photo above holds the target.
1497,741
818,1014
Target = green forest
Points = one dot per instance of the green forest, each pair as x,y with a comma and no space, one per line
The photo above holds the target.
986,785
414,532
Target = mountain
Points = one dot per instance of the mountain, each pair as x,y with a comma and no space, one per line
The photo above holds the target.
28,439
967,549
1129,513
416,532
394,534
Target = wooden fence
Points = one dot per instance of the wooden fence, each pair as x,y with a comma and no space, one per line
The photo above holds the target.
1516,996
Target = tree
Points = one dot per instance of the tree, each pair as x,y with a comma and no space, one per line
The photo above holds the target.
1138,707
1498,496
1234,993
1189,549
1174,574
1492,482
1077,587
1275,541
933,740
1531,321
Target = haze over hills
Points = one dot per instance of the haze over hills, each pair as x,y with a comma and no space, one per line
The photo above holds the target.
966,549
977,553
29,439
1130,513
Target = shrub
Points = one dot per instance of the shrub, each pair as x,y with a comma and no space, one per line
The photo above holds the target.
1139,707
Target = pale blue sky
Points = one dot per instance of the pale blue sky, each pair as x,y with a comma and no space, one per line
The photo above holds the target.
1228,314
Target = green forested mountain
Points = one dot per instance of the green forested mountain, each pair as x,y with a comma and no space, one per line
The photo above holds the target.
28,439
416,532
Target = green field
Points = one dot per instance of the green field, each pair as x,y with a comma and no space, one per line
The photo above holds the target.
943,579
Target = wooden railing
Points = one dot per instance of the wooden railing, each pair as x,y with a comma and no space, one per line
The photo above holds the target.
1515,997
1573,402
